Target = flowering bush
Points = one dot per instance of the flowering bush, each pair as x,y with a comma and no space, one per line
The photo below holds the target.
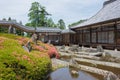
52,52
22,41
39,48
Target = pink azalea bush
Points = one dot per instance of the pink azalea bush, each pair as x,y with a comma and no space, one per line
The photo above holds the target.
52,52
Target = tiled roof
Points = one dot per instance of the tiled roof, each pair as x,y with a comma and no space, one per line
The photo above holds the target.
30,29
110,11
67,31
25,28
47,29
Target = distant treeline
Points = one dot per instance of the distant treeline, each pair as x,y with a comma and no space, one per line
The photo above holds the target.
76,23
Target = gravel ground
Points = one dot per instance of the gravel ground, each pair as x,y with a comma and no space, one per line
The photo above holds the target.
57,63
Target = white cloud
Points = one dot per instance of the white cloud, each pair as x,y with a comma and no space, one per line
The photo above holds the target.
68,10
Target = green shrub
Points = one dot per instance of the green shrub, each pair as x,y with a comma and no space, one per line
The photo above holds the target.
17,64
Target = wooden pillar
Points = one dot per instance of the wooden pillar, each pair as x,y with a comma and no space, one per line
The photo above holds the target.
96,36
115,34
90,36
48,36
59,39
62,38
69,38
82,37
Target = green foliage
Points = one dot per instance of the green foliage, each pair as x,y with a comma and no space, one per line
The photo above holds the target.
76,23
10,36
9,19
61,24
28,24
3,29
17,64
50,23
37,15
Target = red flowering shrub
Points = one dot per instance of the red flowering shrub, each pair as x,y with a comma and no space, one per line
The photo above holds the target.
48,46
52,52
38,48
22,41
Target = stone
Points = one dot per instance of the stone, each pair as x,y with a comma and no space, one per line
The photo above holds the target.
11,29
111,76
73,62
28,47
34,38
79,49
100,49
74,48
116,50
106,54
62,48
49,42
25,48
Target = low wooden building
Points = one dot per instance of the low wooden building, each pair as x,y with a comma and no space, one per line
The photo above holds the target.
101,29
49,34
68,37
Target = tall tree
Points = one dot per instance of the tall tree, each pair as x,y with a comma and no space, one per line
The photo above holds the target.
43,15
9,19
37,15
34,14
61,24
50,23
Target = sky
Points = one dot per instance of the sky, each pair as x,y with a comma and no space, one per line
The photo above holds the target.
68,10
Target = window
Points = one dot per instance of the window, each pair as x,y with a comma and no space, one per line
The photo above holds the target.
99,37
111,37
94,37
87,37
106,37
80,38
118,37
118,26
102,37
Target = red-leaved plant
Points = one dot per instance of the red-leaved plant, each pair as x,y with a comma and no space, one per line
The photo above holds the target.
36,47
52,52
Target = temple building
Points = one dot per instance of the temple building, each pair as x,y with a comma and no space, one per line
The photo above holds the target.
101,29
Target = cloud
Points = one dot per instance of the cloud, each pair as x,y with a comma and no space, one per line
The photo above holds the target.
68,10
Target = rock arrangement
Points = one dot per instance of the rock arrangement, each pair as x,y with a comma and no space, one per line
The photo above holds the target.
91,60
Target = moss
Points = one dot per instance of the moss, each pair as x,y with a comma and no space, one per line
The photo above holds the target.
17,64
